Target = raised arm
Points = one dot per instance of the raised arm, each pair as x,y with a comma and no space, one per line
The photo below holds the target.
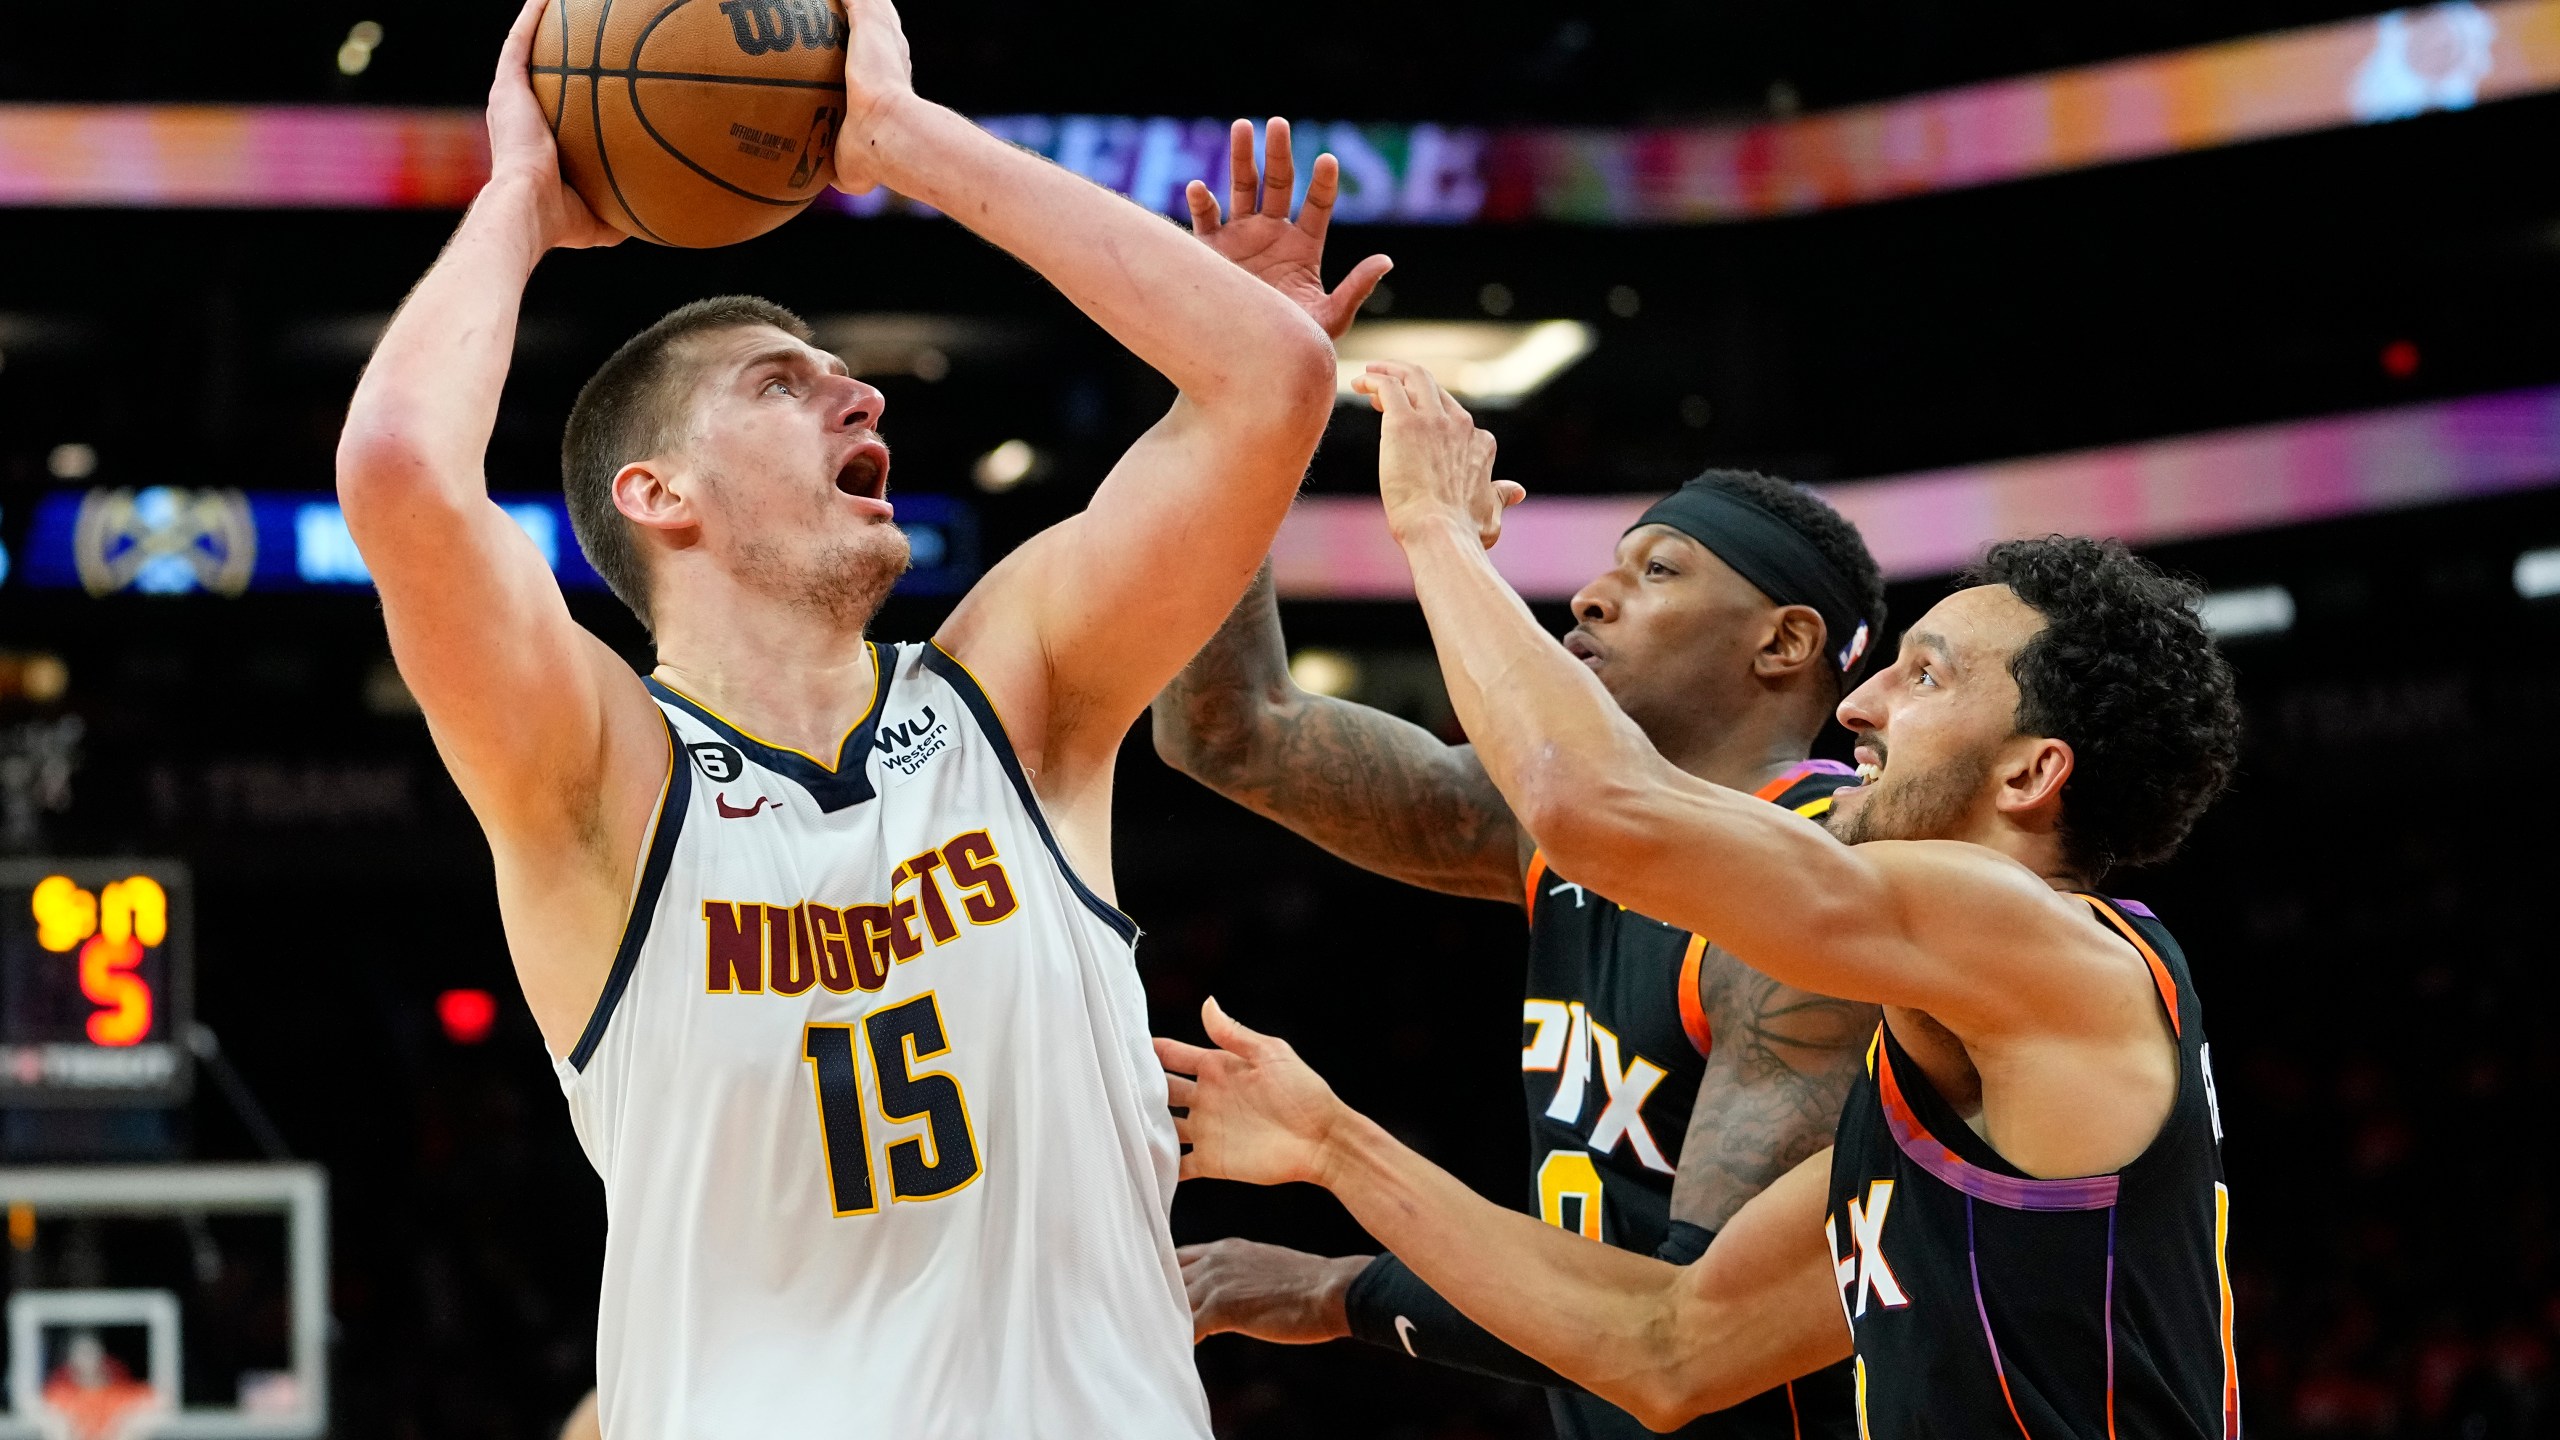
1971,937
1382,793
1076,631
1664,1342
547,732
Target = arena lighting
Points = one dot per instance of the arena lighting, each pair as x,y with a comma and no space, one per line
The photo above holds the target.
1490,366
467,1015
1324,672
2538,574
73,461
1933,523
1006,466
2238,614
2354,72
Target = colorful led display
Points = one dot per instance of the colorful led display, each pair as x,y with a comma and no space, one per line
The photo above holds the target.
178,540
2386,67
1935,522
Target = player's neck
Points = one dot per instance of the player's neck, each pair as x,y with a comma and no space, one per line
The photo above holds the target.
780,672
1742,753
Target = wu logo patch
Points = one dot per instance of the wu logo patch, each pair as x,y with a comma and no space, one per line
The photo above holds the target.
719,762
906,746
1861,1271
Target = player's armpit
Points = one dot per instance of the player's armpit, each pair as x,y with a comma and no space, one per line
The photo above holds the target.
1378,791
1780,1069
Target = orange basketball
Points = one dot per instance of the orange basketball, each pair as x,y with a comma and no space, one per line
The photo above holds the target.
693,122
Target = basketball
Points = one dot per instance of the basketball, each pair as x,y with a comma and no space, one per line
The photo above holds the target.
696,123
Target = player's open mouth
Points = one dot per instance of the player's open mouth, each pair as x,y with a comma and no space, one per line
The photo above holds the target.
1870,765
1581,648
865,474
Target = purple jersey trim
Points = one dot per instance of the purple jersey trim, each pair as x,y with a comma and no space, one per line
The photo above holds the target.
2134,907
2009,1192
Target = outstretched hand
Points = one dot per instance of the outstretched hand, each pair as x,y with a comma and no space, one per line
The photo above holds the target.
1432,460
1259,236
521,150
1256,1112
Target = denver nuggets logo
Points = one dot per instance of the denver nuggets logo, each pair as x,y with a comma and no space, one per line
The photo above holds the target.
165,541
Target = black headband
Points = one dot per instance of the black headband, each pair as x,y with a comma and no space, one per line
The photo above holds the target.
1774,556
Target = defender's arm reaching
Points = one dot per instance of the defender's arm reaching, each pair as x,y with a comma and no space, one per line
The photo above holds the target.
1379,791
1664,1342
1954,929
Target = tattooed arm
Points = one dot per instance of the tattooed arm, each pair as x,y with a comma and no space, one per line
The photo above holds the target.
1781,1066
1384,794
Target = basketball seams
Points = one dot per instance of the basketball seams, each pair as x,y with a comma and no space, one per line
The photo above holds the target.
640,113
679,53
700,77
595,100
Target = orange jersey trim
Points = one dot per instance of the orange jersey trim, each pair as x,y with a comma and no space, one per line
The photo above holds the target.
1529,885
1693,1011
2159,973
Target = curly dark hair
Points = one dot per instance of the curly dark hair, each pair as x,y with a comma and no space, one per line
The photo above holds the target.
1831,535
2123,672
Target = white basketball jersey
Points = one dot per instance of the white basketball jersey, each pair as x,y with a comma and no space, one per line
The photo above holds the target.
885,1150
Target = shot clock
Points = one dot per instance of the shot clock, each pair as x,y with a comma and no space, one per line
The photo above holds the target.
95,977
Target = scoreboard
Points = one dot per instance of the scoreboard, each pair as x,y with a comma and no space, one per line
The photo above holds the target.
96,980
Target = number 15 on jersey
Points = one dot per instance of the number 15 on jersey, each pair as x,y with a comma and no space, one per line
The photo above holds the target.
939,1162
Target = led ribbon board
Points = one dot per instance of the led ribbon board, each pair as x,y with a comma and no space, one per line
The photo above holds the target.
177,540
2355,72
1935,522
96,982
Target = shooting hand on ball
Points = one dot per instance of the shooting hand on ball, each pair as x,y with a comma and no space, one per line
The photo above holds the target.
878,78
1259,236
521,151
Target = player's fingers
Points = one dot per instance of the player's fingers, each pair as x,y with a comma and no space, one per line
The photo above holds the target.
1510,492
1415,382
519,46
1233,1035
1190,1169
1179,1058
1279,169
1386,392
1204,208
1317,212
1361,283
1244,182
1178,1092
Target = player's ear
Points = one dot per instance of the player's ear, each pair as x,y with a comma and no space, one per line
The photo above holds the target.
1795,641
643,491
2031,779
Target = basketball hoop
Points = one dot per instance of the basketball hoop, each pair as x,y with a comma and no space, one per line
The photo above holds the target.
92,1396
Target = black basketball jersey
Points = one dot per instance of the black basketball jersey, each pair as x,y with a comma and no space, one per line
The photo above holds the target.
1986,1303
1614,1043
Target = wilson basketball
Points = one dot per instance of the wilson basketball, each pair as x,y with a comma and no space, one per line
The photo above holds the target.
696,122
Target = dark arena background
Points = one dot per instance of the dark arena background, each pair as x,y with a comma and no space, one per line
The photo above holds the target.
2269,287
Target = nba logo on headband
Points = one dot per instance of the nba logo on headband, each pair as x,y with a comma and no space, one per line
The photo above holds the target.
1855,650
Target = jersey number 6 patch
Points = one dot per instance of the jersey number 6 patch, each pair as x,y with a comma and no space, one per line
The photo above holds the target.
926,1167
